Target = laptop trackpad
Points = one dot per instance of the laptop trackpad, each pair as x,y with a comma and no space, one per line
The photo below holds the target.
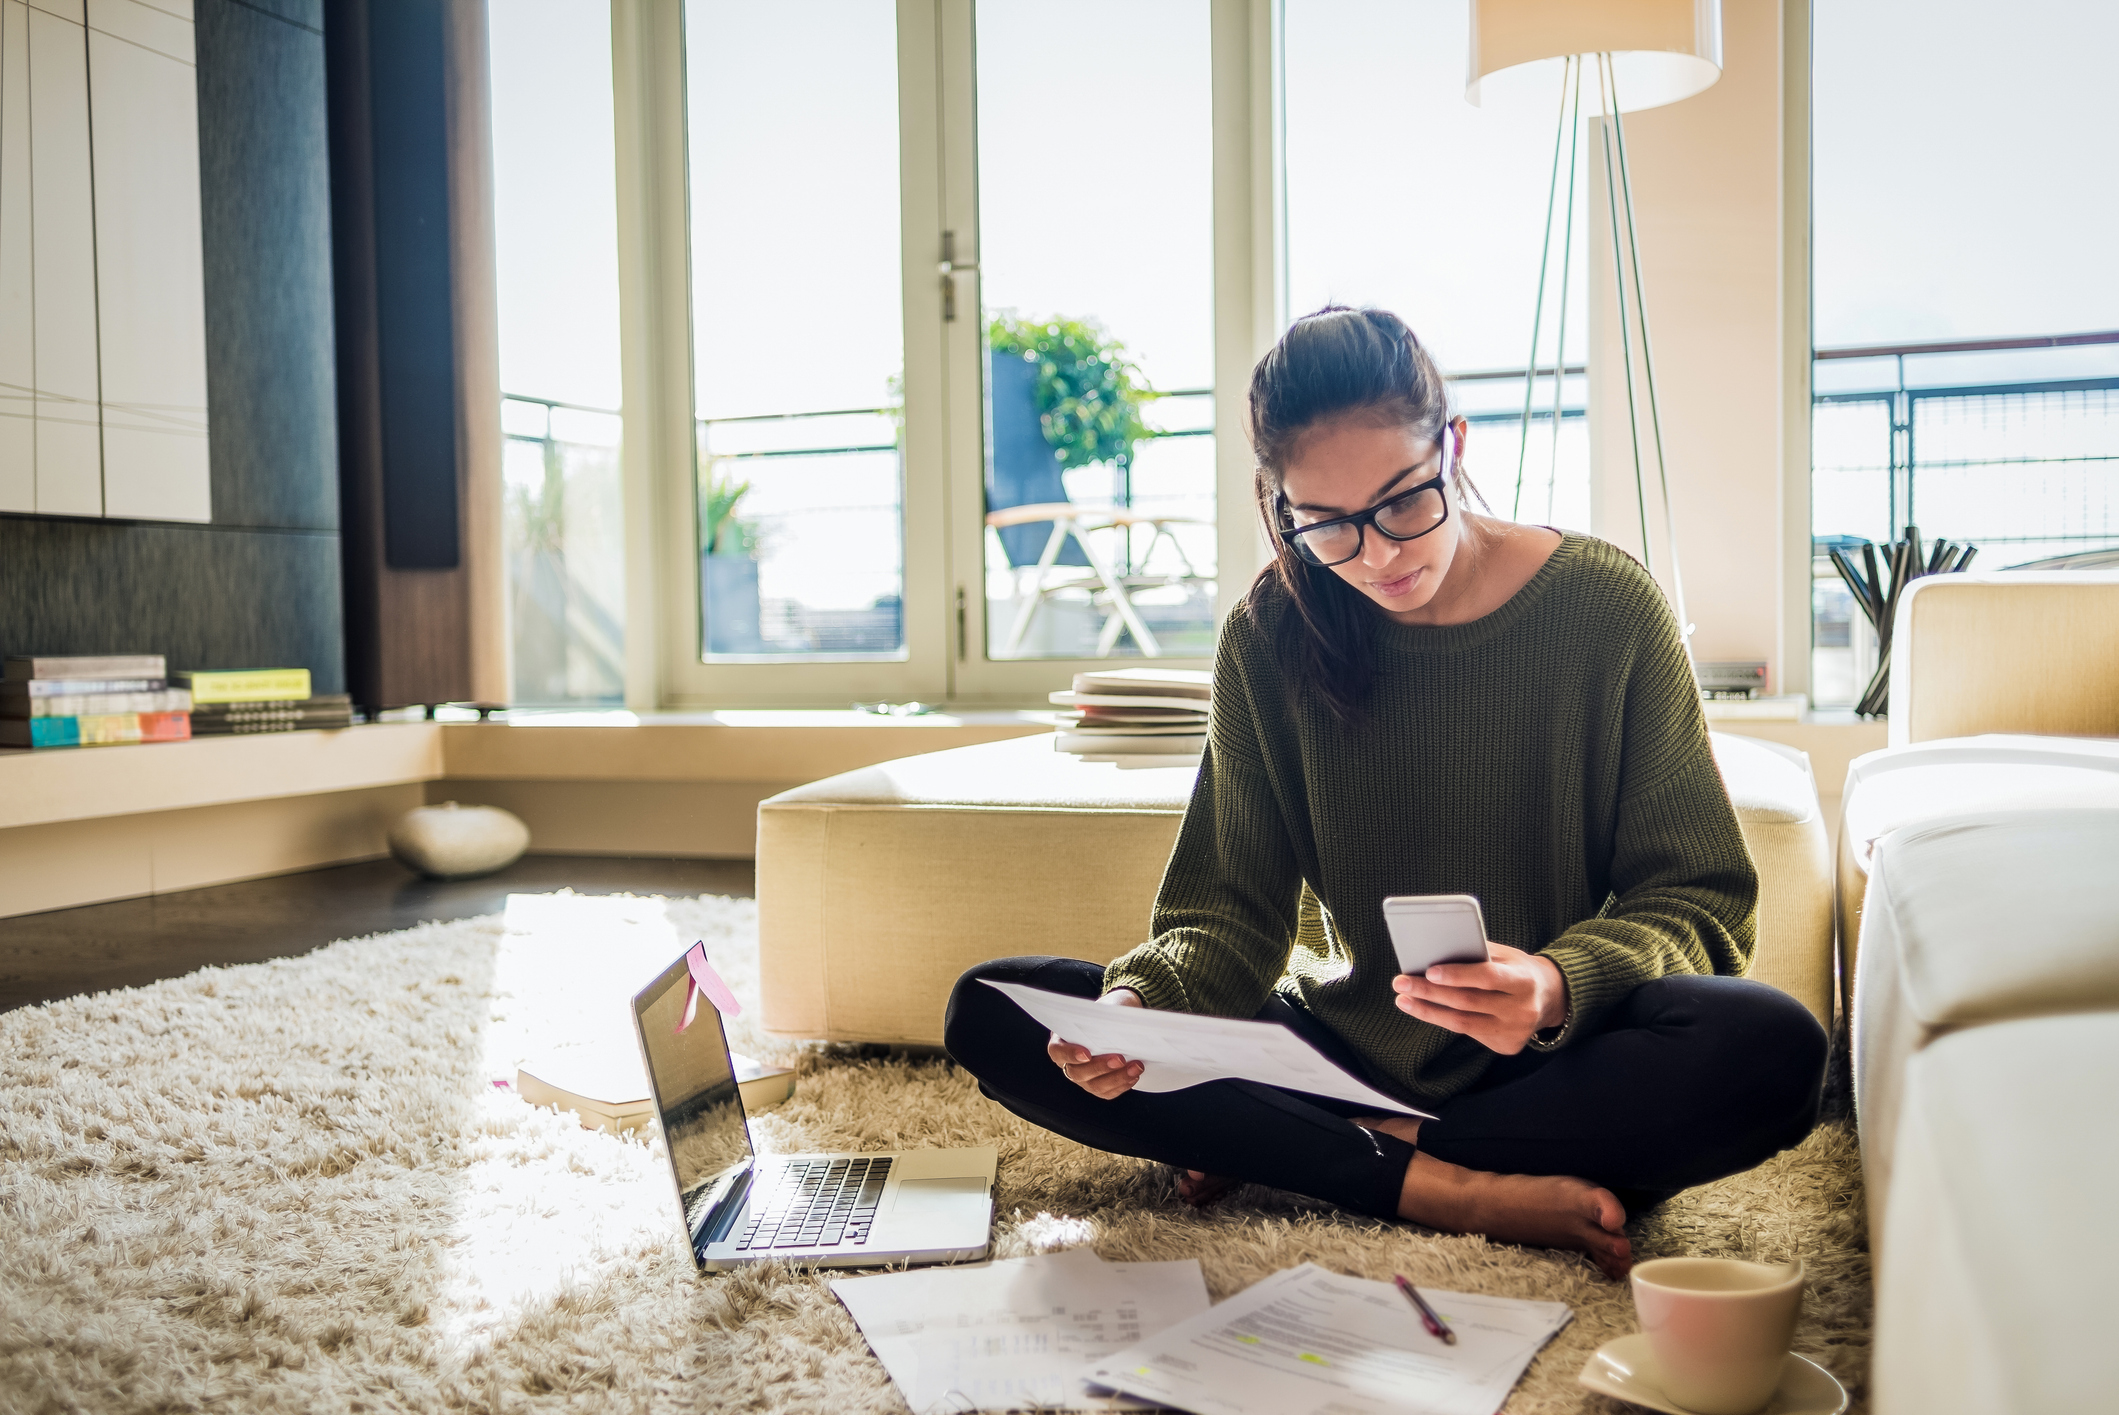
946,1203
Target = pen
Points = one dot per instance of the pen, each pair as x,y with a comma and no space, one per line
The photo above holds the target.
1429,1317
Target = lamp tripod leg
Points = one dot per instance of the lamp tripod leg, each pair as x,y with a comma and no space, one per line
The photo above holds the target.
1655,412
1537,313
1567,263
1618,261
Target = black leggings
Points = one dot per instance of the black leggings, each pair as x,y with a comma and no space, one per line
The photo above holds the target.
1690,1079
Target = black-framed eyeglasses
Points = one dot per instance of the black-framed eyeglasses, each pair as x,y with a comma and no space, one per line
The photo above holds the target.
1407,516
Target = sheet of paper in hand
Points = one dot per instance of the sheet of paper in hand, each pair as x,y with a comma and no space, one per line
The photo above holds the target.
1182,1049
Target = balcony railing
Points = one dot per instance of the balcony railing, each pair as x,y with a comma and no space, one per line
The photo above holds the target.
2009,444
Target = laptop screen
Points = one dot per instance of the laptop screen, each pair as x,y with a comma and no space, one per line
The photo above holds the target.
694,1085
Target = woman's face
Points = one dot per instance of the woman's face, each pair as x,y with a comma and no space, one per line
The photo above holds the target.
1342,467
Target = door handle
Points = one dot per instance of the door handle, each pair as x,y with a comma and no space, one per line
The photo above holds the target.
949,268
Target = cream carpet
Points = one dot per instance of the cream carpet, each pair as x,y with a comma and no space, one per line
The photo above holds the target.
293,1186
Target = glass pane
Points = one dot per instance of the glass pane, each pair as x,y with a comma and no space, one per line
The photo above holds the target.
556,232
563,518
1097,258
1403,195
1905,249
2025,476
798,327
2015,450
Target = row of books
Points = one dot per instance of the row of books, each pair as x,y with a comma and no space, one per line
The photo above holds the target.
106,700
1136,717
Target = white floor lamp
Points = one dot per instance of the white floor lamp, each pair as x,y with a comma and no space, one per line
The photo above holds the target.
1635,54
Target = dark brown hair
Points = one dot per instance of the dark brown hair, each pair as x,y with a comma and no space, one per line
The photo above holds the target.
1337,363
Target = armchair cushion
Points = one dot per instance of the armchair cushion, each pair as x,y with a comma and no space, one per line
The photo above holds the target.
1986,917
1994,1287
1930,781
2016,651
1776,807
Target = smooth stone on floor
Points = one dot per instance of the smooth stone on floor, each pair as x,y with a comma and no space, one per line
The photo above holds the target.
458,842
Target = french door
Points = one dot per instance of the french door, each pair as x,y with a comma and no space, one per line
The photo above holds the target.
962,276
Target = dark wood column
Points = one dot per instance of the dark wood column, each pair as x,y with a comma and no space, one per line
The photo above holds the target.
414,541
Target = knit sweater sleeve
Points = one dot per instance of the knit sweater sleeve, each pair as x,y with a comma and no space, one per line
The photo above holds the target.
1684,892
1224,920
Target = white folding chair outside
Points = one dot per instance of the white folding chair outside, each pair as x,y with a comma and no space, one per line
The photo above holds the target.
1070,519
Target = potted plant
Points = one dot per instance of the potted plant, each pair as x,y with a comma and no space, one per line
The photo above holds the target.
1063,395
728,567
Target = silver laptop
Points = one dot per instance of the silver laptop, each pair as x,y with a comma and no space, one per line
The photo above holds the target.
839,1211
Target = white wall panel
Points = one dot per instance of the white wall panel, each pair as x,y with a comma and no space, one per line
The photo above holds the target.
69,453
18,349
151,304
144,25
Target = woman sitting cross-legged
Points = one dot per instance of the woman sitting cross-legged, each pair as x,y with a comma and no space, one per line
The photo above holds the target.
1415,699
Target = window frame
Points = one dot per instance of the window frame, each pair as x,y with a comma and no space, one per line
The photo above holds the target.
943,449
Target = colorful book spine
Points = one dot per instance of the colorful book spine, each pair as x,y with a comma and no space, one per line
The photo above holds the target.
69,687
125,665
94,704
95,729
249,685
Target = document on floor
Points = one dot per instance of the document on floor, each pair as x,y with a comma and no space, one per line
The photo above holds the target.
1307,1340
1011,1334
1183,1049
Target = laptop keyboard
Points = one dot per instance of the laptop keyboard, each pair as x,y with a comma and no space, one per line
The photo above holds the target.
816,1204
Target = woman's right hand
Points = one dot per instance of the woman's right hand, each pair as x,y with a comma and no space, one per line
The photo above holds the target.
1106,1077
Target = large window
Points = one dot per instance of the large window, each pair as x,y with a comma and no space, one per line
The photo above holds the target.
1401,194
798,328
1966,300
556,220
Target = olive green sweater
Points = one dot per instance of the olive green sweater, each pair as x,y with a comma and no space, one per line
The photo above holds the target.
1550,758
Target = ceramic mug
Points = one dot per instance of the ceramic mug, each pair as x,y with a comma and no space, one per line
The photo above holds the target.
1719,1328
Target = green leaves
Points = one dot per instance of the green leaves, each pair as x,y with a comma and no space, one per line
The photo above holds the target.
723,533
1089,395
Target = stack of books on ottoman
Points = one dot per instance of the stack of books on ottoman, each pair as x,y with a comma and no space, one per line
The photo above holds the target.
238,702
1136,717
96,701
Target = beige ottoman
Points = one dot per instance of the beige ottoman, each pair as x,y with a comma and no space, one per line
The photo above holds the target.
878,888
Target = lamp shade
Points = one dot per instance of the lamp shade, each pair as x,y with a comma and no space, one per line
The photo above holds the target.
1662,50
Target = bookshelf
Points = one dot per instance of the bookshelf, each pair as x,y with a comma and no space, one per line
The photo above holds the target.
50,787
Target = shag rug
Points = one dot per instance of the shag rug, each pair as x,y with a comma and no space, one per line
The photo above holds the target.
295,1186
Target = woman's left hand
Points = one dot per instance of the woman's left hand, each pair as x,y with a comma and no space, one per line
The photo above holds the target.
1498,1003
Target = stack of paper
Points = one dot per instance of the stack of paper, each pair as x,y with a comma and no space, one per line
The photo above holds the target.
1311,1340
1018,1333
1136,716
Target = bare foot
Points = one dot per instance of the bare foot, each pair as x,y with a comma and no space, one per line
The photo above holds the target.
1547,1211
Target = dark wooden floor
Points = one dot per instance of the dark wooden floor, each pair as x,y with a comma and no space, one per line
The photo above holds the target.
134,941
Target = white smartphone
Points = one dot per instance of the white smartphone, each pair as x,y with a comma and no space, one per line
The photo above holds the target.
1427,929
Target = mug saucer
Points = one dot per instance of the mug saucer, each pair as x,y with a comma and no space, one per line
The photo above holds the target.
1626,1369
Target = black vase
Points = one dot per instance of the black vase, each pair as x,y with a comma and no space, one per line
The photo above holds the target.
728,603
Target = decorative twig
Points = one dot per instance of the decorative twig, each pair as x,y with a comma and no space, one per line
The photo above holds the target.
1878,592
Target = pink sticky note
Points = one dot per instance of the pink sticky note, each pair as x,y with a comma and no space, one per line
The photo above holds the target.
703,979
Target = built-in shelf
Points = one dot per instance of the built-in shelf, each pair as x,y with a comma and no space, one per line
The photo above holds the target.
85,783
777,748
782,748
